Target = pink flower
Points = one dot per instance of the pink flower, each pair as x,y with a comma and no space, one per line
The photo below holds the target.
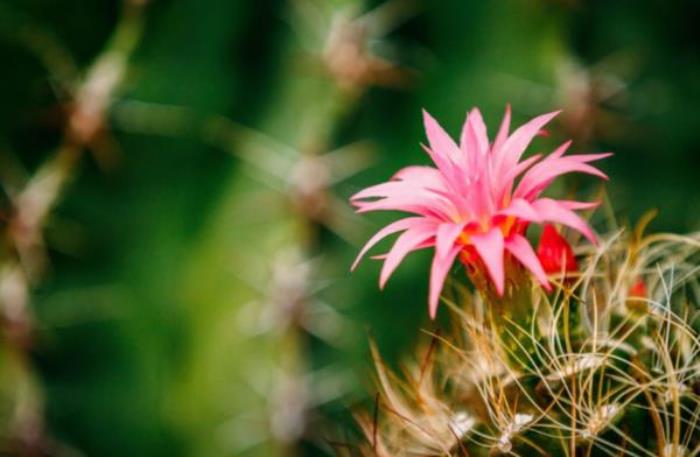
470,203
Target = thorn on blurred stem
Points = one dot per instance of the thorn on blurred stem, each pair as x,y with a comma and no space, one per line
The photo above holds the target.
348,54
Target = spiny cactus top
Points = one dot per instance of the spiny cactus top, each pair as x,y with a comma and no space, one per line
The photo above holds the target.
469,202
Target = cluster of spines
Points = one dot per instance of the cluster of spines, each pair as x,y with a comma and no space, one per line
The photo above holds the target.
601,369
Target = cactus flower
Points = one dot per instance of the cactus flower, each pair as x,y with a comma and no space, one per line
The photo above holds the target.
478,199
555,253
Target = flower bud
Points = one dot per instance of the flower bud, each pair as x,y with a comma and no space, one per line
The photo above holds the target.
555,253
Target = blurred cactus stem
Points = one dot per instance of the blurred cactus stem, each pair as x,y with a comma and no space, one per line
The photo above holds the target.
22,267
606,363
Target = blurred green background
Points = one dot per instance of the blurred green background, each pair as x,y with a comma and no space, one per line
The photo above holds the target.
176,239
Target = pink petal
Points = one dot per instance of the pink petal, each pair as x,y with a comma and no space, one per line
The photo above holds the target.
541,175
447,156
428,178
438,271
558,152
446,236
553,211
408,179
434,206
423,176
451,173
474,139
548,160
521,209
520,168
521,250
505,185
429,243
482,203
441,144
503,130
490,248
585,158
397,226
406,242
399,190
384,189
516,144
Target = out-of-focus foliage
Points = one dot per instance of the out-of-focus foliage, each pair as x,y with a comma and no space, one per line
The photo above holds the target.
215,188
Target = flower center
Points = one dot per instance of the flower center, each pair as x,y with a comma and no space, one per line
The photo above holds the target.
506,224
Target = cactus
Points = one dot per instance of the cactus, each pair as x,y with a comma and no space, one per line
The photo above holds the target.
550,354
608,365
32,197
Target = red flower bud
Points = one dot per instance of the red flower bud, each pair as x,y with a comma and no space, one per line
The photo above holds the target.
555,253
638,289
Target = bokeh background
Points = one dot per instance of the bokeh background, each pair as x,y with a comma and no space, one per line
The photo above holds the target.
176,234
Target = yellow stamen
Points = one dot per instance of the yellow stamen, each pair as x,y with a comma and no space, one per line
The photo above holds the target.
508,225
